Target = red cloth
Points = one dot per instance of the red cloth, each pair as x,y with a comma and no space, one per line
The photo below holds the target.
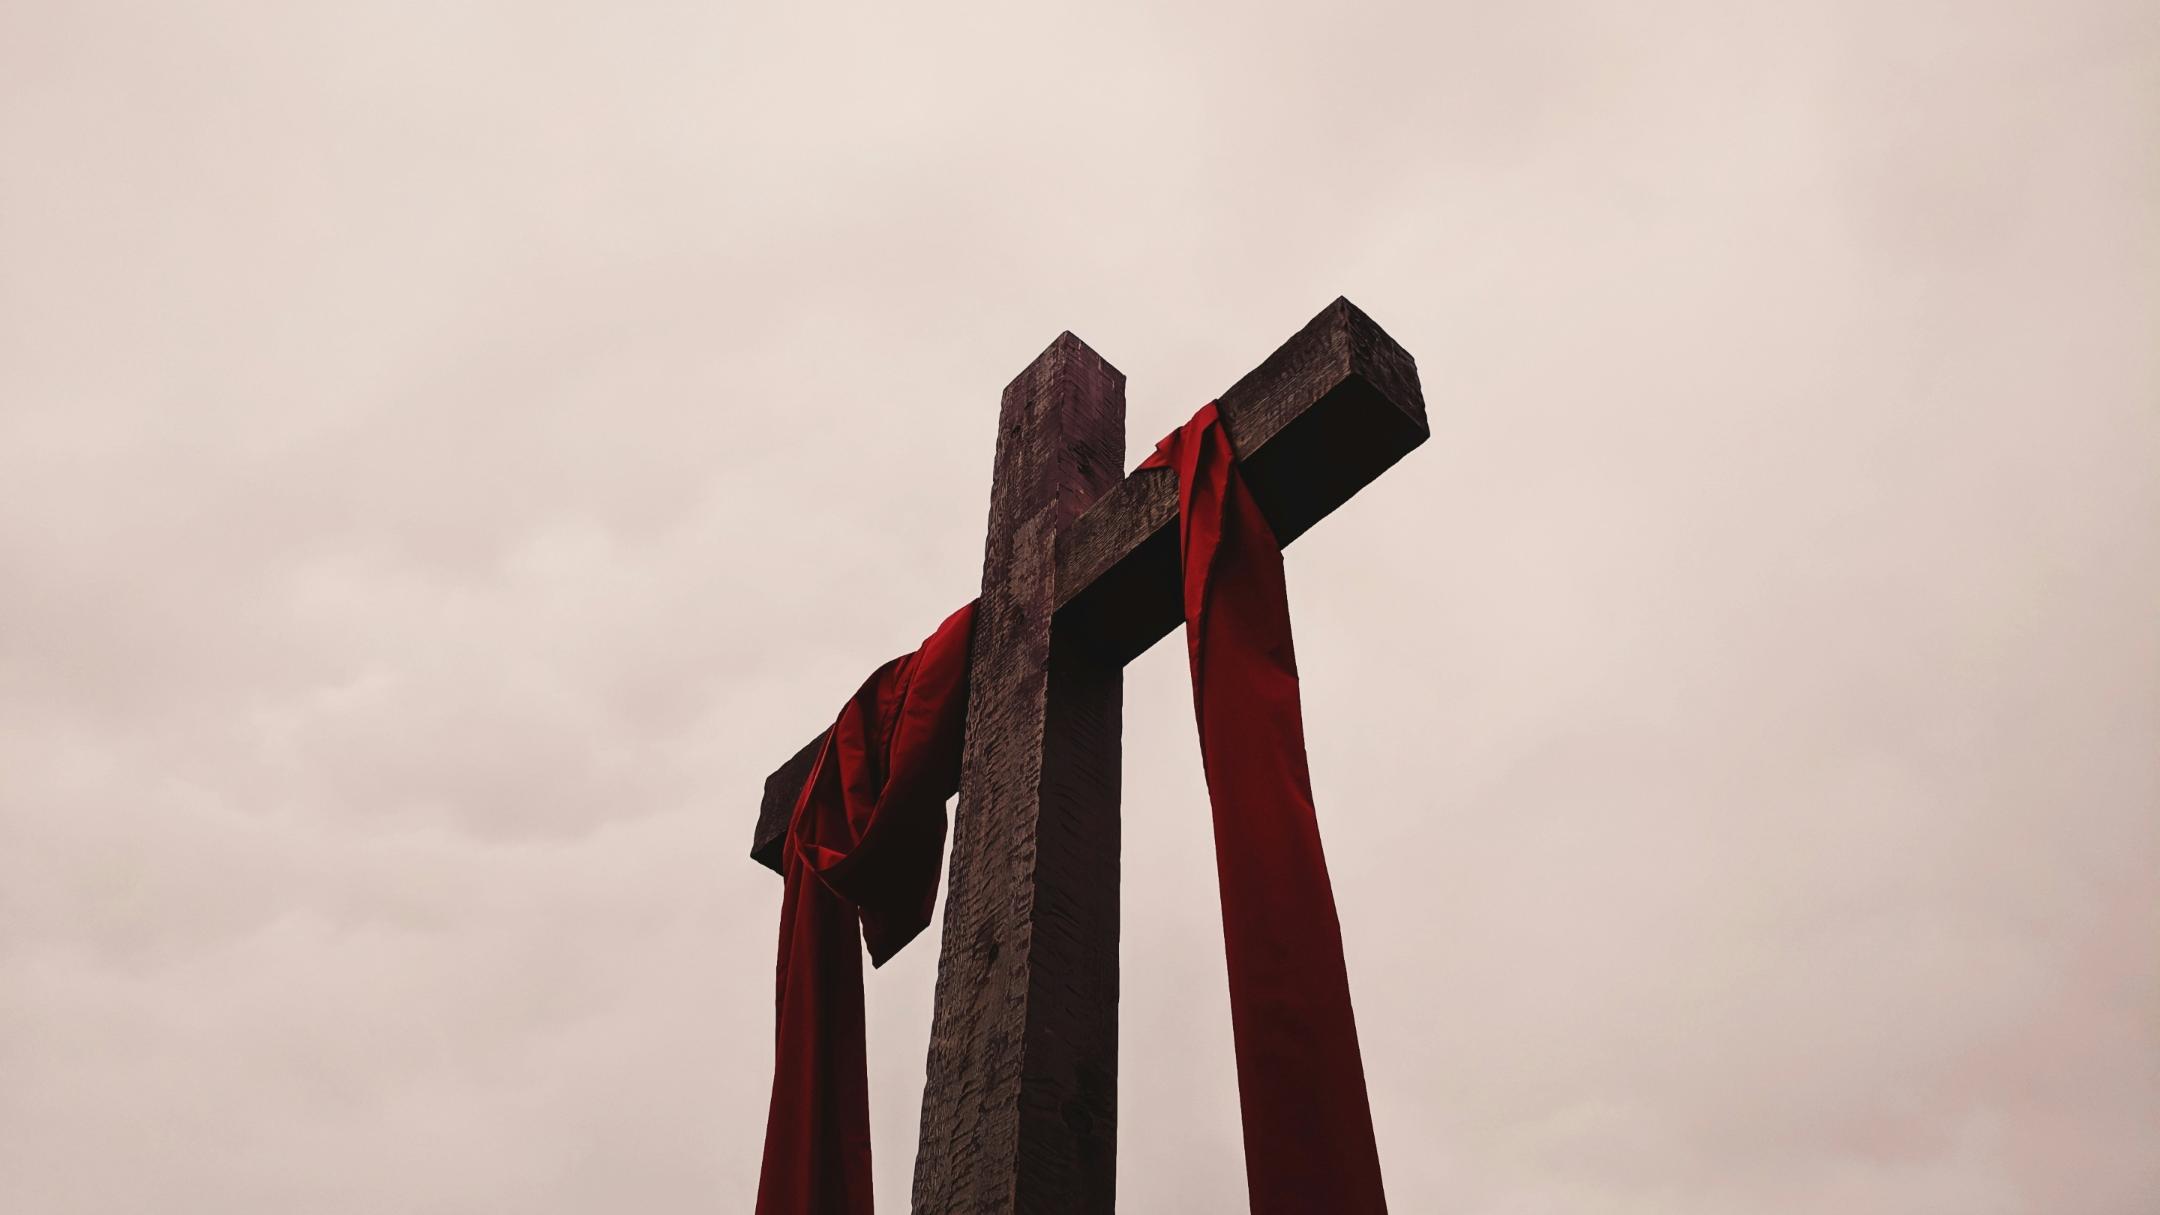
869,830
1301,1085
863,848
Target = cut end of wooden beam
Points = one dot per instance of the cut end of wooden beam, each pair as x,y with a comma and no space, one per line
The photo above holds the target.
778,805
1066,349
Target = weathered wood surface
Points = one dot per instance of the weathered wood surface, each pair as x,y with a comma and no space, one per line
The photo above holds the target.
1331,409
1020,1106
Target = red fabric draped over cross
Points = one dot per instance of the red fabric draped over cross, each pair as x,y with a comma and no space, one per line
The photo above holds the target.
863,848
1301,1084
869,830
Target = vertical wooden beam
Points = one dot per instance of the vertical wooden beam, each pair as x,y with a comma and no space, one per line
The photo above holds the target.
1020,1106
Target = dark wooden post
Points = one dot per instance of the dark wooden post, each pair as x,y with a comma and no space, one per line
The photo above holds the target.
1020,1108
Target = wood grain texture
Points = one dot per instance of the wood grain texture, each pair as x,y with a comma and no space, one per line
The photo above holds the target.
1019,1108
1331,409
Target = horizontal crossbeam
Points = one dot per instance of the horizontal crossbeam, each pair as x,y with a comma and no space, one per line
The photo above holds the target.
1333,408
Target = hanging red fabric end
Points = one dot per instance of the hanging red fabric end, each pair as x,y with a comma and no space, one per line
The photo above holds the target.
863,855
1309,1143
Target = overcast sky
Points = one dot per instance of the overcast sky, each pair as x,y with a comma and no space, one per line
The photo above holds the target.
451,451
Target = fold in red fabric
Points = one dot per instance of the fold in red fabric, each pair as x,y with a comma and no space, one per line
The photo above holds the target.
863,853
1309,1143
867,837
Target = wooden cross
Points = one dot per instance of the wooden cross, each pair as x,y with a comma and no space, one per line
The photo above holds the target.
1081,574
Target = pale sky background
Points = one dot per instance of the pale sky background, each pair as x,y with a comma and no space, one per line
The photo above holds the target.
449,452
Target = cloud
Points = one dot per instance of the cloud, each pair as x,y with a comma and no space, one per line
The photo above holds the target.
449,454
